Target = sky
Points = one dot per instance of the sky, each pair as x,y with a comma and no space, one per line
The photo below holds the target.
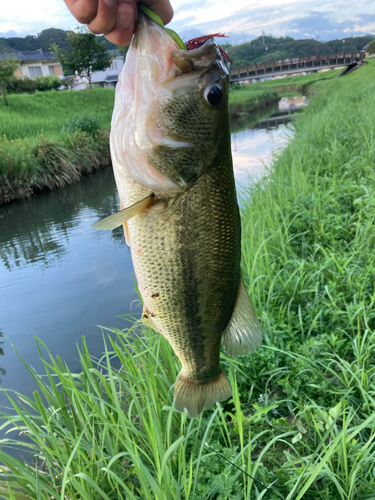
243,20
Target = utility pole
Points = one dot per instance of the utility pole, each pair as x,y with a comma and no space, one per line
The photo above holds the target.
263,33
317,43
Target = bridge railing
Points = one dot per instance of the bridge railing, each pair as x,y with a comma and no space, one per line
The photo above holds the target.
308,62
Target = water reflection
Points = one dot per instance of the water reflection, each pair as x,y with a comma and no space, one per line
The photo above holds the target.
249,120
256,141
38,231
2,370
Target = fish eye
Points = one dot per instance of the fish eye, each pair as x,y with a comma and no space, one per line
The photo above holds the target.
213,95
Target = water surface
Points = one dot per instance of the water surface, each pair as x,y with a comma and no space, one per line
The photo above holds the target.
59,278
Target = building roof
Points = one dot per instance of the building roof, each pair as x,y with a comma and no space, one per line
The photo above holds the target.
28,55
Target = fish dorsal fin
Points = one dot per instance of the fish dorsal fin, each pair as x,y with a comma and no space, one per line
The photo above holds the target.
243,334
124,215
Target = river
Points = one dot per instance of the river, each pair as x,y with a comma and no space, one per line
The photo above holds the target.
60,279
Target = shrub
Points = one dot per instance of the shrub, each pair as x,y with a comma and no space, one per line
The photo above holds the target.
87,123
44,83
26,84
21,85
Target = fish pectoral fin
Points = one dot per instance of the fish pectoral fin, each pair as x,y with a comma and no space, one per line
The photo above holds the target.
243,334
194,397
124,215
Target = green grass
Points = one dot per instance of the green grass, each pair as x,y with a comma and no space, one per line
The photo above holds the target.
45,113
28,168
300,82
302,416
35,151
245,99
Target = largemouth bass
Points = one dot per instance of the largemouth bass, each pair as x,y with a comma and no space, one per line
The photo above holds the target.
171,154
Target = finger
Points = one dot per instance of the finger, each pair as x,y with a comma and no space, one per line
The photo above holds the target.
162,8
126,21
83,10
105,19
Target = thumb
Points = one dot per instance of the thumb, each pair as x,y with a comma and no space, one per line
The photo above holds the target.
162,8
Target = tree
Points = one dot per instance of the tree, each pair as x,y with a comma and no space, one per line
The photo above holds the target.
371,47
86,56
7,68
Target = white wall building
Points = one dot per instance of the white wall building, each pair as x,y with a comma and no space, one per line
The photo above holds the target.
107,78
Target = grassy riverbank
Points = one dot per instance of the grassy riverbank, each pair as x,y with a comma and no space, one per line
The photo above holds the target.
245,99
26,168
45,113
302,418
36,152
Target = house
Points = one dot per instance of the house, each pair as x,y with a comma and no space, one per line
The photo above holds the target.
365,50
107,78
34,63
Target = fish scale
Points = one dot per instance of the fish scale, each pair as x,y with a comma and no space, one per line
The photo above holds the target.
189,277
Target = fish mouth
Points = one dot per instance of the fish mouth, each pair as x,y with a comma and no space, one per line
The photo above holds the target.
173,59
199,59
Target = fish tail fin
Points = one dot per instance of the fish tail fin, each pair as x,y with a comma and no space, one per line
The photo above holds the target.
194,397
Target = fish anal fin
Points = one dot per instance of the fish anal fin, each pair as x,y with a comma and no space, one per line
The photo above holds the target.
195,397
147,319
243,334
124,215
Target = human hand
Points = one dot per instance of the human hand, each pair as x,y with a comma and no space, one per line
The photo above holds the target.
116,19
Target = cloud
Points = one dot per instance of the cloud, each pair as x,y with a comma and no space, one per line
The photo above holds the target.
325,25
306,19
25,17
240,18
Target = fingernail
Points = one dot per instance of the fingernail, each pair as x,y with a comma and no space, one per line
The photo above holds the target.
110,3
126,19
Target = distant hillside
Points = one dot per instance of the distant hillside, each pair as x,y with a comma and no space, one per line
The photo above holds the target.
42,41
274,49
253,52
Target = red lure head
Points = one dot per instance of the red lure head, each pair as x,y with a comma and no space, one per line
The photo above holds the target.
195,43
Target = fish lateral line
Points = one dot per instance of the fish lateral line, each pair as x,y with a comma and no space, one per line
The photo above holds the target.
119,218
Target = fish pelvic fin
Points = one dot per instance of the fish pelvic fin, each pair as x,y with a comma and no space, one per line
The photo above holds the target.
194,397
115,220
243,334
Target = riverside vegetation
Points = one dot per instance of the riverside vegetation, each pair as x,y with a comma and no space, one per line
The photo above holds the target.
302,416
51,139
